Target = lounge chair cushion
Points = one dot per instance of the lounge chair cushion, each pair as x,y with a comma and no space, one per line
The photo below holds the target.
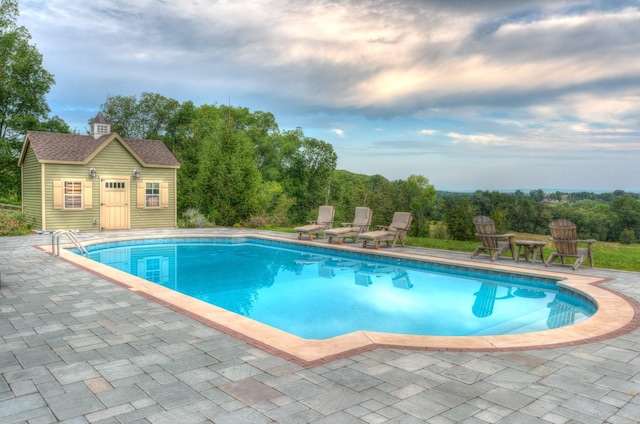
394,232
324,221
353,229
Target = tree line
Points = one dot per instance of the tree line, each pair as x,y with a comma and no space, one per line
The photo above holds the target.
239,168
605,217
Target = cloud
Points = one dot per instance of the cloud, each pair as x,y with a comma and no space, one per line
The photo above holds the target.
486,139
492,78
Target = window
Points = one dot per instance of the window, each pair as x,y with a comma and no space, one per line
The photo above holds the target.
114,185
152,195
102,129
73,194
154,269
152,272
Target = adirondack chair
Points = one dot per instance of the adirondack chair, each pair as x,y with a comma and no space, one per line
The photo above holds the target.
397,230
324,222
494,244
360,224
565,236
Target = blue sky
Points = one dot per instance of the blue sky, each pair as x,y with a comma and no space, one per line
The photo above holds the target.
488,95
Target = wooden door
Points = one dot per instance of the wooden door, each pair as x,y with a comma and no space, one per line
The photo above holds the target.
114,203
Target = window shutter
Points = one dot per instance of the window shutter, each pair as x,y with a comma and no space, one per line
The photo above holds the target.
164,195
164,270
141,268
140,194
87,195
57,195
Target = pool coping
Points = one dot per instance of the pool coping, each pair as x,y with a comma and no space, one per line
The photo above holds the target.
617,314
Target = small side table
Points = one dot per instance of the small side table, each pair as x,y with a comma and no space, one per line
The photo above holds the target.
530,247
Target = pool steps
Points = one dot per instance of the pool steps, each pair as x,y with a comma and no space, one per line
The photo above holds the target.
55,242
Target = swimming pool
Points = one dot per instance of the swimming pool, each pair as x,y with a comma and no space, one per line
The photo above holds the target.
615,315
320,293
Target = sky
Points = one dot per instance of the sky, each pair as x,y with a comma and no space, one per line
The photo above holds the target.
473,95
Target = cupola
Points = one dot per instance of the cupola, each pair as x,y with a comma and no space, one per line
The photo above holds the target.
99,126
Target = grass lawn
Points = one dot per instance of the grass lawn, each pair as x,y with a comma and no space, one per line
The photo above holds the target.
607,255
624,257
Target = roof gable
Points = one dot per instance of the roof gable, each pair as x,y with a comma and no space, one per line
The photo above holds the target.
73,148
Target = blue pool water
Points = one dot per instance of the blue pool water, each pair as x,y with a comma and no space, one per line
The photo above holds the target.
318,293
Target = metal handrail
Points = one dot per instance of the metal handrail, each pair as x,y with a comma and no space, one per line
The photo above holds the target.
55,242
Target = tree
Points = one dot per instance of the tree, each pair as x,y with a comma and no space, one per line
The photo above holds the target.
536,195
307,165
23,86
383,195
180,139
458,218
55,125
421,196
348,191
228,186
627,215
145,118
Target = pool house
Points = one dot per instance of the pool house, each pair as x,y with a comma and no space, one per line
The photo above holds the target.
99,181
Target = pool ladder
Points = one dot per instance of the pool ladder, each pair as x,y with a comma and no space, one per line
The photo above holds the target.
55,242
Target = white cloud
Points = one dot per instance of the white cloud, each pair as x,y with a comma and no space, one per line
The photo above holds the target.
487,139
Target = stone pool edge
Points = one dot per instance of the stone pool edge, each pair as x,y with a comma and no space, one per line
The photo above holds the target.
617,314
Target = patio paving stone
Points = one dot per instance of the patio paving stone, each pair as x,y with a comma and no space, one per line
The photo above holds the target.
77,348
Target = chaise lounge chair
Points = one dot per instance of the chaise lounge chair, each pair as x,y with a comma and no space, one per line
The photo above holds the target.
565,236
360,224
394,232
494,244
324,222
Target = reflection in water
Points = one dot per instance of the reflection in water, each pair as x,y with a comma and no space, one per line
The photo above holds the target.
364,273
321,294
401,280
561,314
529,293
485,299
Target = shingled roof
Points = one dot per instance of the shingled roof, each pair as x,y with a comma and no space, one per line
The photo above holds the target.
100,119
56,147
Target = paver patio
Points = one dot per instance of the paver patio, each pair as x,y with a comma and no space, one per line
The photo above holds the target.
77,348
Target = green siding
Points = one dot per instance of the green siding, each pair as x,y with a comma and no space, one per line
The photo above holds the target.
113,161
58,219
31,190
154,218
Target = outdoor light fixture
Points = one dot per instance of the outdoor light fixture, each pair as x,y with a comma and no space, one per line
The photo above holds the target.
136,173
92,172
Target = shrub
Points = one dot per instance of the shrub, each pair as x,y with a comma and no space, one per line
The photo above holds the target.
192,218
258,221
627,236
439,231
13,224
